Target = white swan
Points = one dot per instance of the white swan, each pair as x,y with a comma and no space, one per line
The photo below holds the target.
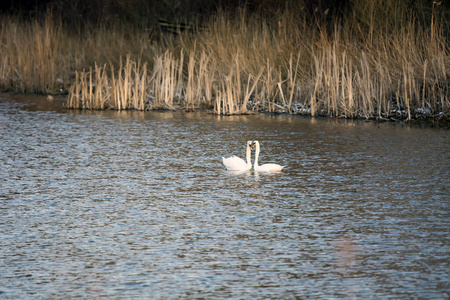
265,167
235,163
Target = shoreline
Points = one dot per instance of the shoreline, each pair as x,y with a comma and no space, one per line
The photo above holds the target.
58,101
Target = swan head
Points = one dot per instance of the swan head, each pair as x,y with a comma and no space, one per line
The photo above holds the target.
255,144
250,144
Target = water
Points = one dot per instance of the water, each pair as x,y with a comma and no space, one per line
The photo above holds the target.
139,205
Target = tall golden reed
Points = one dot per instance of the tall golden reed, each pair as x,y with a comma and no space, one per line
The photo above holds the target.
360,68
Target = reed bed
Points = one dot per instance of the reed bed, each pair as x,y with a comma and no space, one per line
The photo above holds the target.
241,64
34,56
131,86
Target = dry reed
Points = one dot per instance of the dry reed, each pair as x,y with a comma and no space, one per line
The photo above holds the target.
241,64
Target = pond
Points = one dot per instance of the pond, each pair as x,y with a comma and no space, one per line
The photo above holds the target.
139,205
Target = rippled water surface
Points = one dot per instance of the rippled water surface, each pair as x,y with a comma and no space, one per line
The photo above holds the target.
139,205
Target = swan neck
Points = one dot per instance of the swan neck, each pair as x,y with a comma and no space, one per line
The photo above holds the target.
249,162
257,154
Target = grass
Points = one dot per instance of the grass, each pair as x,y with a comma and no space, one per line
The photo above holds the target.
375,63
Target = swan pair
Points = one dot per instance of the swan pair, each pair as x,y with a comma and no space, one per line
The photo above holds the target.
235,163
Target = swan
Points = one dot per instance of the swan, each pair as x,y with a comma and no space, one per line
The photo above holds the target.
265,167
235,163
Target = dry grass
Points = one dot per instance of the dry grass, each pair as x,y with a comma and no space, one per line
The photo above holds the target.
243,63
34,56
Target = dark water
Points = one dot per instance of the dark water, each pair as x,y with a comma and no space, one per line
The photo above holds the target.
139,205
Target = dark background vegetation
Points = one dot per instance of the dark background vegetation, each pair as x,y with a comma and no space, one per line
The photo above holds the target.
78,14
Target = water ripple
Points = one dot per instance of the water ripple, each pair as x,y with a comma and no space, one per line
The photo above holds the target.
138,205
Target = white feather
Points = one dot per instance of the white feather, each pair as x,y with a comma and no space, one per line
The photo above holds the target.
235,163
265,167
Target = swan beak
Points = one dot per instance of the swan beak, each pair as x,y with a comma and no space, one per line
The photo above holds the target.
253,145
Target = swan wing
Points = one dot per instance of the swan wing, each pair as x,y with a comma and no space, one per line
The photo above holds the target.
269,168
234,163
